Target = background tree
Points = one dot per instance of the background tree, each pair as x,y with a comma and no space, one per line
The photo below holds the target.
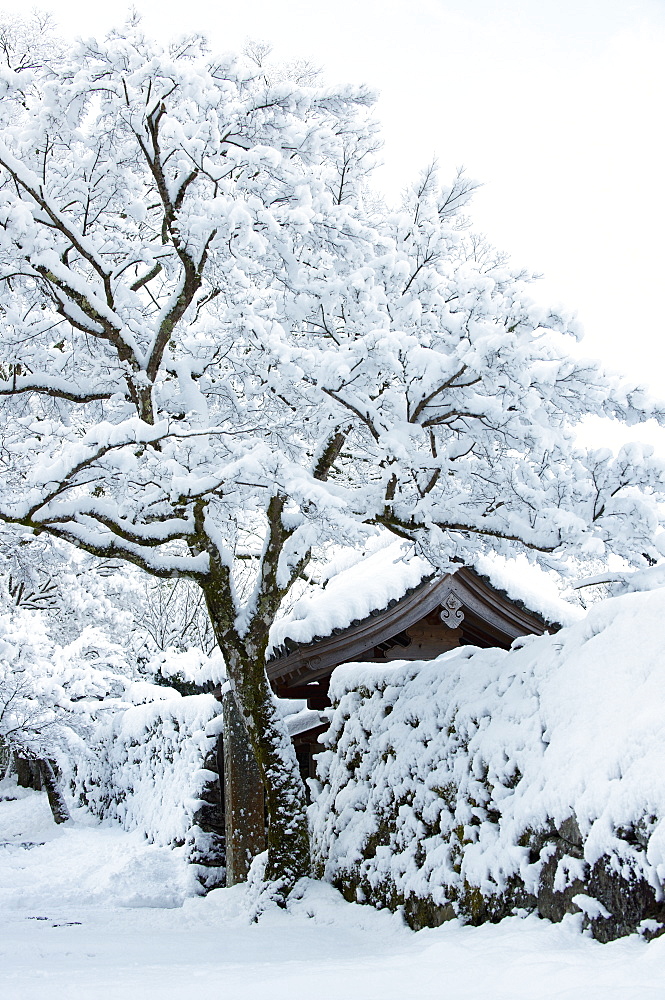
30,42
52,695
79,642
221,354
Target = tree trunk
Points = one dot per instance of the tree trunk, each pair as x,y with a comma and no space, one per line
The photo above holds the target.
55,797
244,810
28,772
288,835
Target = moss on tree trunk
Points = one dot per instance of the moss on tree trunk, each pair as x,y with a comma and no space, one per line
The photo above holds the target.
288,835
244,812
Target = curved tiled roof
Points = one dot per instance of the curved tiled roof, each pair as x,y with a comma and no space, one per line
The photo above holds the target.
323,631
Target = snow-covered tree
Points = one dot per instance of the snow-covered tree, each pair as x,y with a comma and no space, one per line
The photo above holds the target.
51,694
221,354
29,42
168,614
75,649
144,615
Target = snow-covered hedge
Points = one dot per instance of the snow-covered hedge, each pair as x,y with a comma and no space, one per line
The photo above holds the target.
486,781
153,769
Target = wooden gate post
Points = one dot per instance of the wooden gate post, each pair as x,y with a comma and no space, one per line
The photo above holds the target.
244,811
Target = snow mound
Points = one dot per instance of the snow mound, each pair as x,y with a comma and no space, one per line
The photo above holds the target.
44,867
469,781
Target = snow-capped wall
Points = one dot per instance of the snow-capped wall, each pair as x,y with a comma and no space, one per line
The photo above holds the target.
147,772
486,780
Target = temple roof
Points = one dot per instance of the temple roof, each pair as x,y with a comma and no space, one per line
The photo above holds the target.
379,579
390,590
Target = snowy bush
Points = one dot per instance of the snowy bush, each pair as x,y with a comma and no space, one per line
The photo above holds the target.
487,781
148,771
52,693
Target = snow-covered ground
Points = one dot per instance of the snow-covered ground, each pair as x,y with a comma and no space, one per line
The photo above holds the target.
90,911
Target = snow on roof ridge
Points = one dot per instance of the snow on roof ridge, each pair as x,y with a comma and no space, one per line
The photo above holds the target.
369,585
528,585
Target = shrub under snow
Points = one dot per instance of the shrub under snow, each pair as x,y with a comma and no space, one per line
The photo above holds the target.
486,780
148,772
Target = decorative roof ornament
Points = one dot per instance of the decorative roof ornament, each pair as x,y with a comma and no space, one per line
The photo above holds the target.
451,615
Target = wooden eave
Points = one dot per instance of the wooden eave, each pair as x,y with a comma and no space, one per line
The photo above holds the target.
485,608
494,608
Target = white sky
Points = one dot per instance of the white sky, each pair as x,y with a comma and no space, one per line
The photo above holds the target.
555,105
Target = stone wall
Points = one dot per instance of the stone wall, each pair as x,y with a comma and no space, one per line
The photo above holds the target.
486,783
